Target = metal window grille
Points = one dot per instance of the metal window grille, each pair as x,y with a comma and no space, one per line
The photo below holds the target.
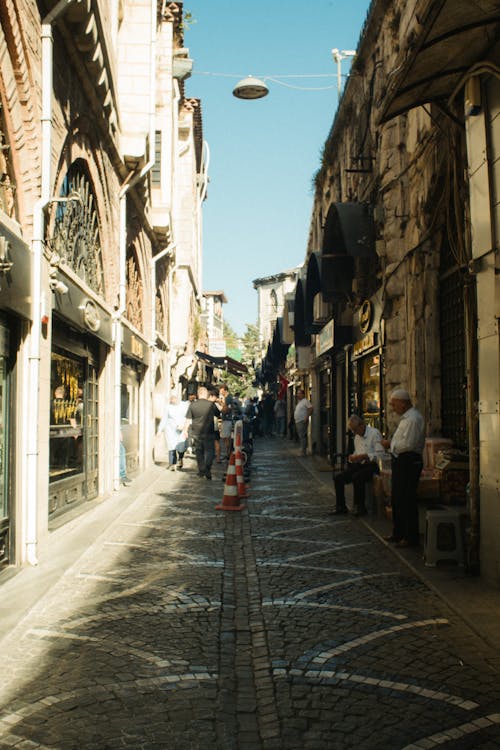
453,364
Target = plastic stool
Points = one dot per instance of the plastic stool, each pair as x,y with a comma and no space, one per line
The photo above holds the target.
444,536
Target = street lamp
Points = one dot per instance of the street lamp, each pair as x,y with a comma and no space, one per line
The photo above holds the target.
338,56
250,88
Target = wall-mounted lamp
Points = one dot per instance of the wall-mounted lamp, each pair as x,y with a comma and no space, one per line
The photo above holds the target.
56,285
473,96
339,55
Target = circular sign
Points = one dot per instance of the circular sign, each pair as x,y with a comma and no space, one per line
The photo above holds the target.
91,316
365,316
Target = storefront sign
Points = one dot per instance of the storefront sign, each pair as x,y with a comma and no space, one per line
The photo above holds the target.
136,347
91,317
365,316
366,343
86,314
217,347
325,338
15,271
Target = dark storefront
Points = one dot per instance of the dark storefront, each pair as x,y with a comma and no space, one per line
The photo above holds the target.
365,388
6,439
324,369
15,305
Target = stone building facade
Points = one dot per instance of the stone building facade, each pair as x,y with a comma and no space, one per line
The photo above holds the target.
400,279
102,184
271,294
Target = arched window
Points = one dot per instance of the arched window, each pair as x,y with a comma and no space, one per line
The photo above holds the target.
135,292
7,185
274,303
76,230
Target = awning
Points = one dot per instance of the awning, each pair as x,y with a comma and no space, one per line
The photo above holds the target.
446,39
279,349
288,316
329,274
223,363
312,288
349,230
302,338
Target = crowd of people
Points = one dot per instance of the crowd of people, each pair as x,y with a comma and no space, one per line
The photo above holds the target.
204,424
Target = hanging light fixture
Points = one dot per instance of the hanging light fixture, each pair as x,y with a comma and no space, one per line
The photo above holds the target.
250,88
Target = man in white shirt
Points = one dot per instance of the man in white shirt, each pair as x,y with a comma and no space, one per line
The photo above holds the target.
363,464
406,448
301,415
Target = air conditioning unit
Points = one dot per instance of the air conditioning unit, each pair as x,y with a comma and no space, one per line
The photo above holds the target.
321,310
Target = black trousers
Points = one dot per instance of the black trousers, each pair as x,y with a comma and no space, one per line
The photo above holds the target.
359,475
204,449
406,470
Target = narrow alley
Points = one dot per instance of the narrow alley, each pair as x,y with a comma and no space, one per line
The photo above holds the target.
182,627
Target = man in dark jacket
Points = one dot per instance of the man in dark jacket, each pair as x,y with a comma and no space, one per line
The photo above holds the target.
200,415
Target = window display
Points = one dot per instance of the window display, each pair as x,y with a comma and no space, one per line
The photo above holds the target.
370,390
66,416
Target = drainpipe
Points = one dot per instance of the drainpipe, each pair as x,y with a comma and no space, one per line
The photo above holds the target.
30,499
152,265
131,180
169,250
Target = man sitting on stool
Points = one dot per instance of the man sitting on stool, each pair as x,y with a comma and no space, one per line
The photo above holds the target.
362,465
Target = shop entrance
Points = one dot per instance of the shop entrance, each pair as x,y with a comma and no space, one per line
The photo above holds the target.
325,447
131,375
74,426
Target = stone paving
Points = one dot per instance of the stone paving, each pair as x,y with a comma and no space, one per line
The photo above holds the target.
187,628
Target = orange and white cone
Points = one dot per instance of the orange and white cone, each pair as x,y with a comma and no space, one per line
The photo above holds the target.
240,479
230,499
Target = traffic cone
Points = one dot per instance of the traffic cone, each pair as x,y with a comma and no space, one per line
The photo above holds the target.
240,479
230,499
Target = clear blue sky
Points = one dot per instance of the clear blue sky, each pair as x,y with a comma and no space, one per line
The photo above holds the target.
263,153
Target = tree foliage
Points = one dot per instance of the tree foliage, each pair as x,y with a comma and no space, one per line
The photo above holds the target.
249,346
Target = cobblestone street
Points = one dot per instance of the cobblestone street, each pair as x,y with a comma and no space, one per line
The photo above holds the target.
184,627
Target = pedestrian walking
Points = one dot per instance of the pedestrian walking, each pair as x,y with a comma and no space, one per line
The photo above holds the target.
362,465
200,417
171,425
406,448
213,395
123,463
280,417
267,414
226,426
301,415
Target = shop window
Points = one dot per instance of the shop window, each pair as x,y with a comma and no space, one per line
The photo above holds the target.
129,403
371,389
66,417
